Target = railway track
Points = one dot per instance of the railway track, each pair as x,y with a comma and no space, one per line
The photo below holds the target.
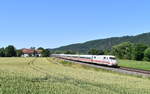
120,69
135,70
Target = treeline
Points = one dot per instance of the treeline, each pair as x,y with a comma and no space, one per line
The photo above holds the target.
11,51
131,51
125,50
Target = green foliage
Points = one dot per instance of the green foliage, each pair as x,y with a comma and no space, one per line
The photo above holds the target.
33,48
56,52
69,52
96,52
2,52
34,53
107,52
147,54
46,53
123,50
138,51
18,53
40,48
128,50
10,51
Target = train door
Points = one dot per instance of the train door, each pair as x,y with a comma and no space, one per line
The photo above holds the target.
92,59
107,59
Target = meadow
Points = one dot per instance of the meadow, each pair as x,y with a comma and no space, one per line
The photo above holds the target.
135,64
53,76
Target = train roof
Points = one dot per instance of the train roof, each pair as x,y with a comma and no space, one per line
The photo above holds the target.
99,55
85,55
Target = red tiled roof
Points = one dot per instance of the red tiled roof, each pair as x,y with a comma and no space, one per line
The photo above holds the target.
30,51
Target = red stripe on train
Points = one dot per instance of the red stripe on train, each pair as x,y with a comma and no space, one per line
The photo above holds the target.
89,60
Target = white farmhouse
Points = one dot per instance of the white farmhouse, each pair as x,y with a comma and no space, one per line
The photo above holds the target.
31,53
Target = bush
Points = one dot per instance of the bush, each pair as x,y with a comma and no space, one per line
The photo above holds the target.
147,54
2,52
96,52
46,53
69,52
123,50
138,51
10,51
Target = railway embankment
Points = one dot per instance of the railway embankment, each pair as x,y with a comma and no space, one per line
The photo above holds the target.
119,69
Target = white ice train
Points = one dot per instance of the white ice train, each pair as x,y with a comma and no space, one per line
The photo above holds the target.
97,59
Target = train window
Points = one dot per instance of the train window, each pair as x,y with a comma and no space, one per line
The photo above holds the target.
104,57
86,57
95,57
113,58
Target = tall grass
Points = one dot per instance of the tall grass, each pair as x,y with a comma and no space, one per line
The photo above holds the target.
49,76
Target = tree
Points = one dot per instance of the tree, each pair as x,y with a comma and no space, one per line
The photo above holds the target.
96,52
138,51
34,52
46,53
147,54
18,53
123,50
10,51
33,48
69,52
58,52
40,48
107,52
2,52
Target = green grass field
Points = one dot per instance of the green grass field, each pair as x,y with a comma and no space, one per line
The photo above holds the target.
135,64
52,76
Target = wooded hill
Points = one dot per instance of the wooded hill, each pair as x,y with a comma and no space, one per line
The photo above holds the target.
107,43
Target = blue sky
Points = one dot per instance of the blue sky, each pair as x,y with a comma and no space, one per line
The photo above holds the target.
54,23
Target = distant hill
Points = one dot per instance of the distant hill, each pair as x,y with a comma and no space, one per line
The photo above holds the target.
107,43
